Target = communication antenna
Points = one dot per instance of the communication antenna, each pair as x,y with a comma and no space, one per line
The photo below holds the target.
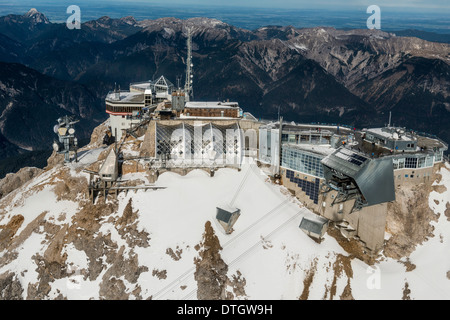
189,74
67,142
178,82
389,125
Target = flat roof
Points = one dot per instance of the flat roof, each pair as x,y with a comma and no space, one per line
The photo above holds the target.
321,149
211,104
142,85
392,133
300,128
126,96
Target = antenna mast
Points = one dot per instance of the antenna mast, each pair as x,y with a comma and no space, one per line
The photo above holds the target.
178,82
189,75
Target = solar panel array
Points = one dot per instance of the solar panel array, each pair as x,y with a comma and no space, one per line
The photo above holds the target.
351,156
310,188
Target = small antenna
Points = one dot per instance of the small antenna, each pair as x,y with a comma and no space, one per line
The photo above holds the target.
178,81
115,140
189,74
116,93
389,125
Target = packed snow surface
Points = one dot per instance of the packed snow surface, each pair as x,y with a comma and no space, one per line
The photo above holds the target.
266,247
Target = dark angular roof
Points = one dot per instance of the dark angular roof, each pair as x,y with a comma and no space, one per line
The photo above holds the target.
225,214
374,177
313,225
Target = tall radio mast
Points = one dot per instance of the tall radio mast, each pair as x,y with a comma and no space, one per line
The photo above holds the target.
189,74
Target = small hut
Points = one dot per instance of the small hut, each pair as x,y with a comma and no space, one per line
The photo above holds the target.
109,171
314,227
227,216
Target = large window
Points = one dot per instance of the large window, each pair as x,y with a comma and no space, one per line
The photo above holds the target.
411,163
301,161
429,161
395,163
421,162
398,163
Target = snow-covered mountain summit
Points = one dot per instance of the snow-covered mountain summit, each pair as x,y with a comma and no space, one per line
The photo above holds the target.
56,243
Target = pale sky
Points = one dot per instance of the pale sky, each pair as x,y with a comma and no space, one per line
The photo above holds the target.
294,4
319,4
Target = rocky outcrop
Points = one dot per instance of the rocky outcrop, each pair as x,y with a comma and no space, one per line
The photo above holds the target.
211,270
408,220
8,231
13,181
10,287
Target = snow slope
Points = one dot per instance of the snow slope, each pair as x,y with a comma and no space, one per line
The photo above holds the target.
276,259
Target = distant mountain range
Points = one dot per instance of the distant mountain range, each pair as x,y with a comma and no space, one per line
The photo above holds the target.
353,77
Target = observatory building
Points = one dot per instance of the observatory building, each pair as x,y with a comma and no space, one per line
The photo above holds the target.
348,176
161,100
126,108
341,174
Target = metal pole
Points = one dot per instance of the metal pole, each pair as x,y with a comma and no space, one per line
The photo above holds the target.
115,140
279,147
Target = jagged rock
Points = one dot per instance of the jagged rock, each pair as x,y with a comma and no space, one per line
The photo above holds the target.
408,220
97,136
10,287
113,289
69,187
7,232
127,227
111,286
13,181
54,160
211,270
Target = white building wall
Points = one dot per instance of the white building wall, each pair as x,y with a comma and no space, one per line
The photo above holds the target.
120,123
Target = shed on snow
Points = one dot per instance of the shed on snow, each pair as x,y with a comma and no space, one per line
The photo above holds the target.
227,216
314,227
109,171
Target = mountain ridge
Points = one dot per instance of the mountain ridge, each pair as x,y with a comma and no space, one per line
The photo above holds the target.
319,74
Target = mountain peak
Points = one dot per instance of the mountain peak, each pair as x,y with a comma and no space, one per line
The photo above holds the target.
32,11
129,20
206,22
36,16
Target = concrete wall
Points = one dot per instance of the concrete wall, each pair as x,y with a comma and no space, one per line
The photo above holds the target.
371,225
419,175
120,123
368,223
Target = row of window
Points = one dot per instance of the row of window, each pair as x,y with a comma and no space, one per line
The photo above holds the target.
122,109
413,163
302,162
310,164
298,139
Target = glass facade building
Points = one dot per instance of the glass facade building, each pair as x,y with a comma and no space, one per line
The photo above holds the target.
302,161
